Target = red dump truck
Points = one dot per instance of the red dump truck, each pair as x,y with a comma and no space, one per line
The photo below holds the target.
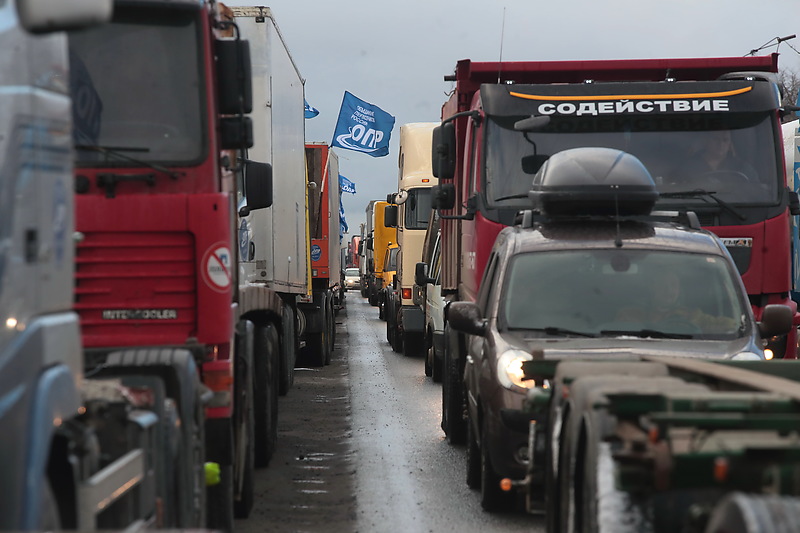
504,119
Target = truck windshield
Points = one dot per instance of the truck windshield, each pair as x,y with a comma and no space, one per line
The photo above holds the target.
733,156
598,292
418,208
137,90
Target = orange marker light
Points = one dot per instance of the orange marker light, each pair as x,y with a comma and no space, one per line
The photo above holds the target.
505,484
721,469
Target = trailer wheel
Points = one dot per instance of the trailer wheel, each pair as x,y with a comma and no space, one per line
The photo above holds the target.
453,423
244,421
316,351
750,513
265,392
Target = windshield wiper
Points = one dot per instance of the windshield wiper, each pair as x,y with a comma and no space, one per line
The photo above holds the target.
116,151
652,333
694,193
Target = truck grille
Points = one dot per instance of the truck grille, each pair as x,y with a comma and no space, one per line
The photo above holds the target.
136,289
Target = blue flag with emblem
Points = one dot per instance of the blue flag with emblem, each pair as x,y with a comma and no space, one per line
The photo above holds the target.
345,185
310,112
363,127
342,222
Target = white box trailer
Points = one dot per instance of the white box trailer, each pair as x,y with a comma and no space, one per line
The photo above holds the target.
274,242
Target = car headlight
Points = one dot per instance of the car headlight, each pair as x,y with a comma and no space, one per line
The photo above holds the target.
747,356
509,370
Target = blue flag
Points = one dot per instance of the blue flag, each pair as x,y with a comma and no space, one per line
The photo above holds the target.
345,185
363,127
342,222
310,112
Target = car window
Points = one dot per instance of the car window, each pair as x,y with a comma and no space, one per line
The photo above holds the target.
597,291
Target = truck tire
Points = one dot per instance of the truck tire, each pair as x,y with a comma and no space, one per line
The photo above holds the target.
288,348
177,369
265,392
316,351
413,344
220,516
244,433
751,513
453,423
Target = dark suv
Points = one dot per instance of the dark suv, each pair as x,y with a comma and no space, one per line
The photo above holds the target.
589,273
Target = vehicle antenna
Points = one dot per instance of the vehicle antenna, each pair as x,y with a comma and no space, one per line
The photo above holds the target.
502,37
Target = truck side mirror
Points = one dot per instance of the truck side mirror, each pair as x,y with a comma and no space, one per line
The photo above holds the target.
371,265
234,77
236,133
45,16
443,196
421,275
466,318
775,320
258,185
390,216
369,243
443,155
361,248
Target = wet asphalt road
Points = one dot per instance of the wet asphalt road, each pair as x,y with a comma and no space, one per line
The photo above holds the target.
360,448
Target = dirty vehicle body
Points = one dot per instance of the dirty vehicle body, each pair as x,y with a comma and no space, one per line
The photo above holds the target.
411,207
658,110
319,307
165,188
577,281
86,448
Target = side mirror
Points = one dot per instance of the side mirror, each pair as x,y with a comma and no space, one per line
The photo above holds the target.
421,275
236,133
390,216
45,16
466,317
369,243
234,77
360,248
443,151
390,197
443,196
775,320
371,265
258,185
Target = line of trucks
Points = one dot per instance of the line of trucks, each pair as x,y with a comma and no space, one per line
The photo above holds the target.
591,414
165,259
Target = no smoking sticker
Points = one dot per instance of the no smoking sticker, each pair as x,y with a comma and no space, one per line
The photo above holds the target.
217,271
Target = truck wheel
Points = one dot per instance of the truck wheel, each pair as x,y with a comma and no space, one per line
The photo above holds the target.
751,513
429,361
413,344
316,351
265,392
453,423
244,421
493,498
436,365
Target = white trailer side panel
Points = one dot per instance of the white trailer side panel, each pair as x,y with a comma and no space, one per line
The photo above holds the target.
273,242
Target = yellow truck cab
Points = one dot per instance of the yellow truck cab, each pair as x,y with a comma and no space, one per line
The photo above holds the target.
405,321
382,237
388,278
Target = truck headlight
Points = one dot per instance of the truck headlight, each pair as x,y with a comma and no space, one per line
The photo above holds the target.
509,370
747,356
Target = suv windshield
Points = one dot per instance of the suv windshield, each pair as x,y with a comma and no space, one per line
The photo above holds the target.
623,292
733,156
136,85
351,272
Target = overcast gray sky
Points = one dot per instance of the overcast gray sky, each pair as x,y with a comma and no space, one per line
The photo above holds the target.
395,54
